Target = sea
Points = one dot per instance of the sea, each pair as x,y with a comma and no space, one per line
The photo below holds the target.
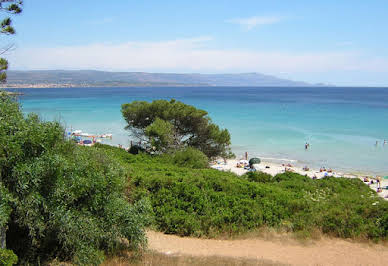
345,127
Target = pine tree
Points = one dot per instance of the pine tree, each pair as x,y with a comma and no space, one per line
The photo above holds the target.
10,7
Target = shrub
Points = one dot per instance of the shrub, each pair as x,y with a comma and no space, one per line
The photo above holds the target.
7,257
62,200
207,202
191,158
258,176
135,149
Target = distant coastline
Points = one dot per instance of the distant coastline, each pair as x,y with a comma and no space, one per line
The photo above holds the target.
129,85
94,78
91,85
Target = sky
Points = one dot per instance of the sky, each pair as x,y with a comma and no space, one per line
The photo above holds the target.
338,42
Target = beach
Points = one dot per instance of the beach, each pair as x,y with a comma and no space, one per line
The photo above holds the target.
273,168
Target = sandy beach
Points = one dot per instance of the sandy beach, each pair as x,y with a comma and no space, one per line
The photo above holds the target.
273,169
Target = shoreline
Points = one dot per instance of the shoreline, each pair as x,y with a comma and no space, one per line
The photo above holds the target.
272,168
275,157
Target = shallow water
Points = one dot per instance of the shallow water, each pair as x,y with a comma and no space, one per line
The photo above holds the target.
342,125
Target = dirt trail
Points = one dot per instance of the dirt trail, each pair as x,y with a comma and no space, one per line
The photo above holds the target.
321,252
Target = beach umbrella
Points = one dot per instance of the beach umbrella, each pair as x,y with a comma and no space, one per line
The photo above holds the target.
254,161
386,177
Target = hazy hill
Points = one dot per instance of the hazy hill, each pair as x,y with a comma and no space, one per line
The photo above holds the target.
103,78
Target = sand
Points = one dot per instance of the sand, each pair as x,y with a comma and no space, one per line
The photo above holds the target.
325,251
277,168
274,169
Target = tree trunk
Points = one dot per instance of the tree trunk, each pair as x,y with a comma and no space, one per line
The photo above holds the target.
2,237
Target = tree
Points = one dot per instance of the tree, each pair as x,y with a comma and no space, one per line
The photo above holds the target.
172,125
58,199
10,7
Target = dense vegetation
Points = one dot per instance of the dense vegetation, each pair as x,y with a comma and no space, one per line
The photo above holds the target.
164,126
206,202
61,200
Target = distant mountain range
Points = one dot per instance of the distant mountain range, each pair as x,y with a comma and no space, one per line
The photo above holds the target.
90,78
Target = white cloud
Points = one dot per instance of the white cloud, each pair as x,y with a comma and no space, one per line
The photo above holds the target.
189,55
252,22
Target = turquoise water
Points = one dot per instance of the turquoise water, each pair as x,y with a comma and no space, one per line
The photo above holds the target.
342,125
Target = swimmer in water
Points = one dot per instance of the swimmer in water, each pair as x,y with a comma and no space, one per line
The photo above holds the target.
306,146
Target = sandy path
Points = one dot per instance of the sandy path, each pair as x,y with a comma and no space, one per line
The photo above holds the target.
321,252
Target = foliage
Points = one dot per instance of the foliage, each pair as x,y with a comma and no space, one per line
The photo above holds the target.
171,125
207,202
136,149
11,7
161,133
190,158
258,177
7,257
62,200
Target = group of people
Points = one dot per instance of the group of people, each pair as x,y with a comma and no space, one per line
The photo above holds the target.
287,167
323,169
371,182
384,143
242,165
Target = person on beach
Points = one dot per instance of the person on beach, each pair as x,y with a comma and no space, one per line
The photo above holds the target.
377,143
385,142
306,146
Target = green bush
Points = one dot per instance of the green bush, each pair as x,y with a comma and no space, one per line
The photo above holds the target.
207,202
7,257
62,200
258,176
191,158
135,149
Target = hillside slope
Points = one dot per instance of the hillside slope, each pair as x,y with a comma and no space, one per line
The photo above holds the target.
103,78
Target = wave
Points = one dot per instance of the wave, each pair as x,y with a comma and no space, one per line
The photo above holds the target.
278,159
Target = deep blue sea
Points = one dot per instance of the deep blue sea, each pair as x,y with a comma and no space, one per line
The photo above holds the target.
342,125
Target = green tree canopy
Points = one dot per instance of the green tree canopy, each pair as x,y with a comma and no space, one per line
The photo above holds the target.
172,125
58,199
10,7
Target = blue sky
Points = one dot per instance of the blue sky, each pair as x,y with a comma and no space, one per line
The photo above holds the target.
337,42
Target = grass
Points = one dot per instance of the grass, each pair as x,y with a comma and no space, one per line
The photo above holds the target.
153,258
